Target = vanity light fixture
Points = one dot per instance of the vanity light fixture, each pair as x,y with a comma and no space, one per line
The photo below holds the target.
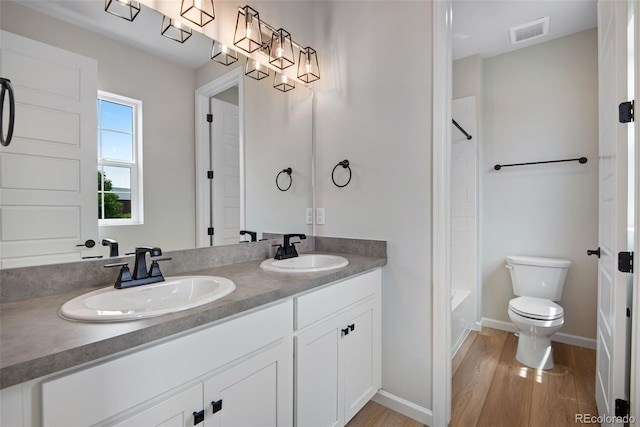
255,69
283,83
221,53
308,70
125,9
281,49
200,12
248,34
175,30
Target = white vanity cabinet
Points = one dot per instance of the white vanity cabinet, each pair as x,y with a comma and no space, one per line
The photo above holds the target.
337,348
246,362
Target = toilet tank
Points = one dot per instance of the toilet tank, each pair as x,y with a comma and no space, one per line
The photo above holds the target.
538,277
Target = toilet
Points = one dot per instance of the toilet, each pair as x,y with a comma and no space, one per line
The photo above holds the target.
537,283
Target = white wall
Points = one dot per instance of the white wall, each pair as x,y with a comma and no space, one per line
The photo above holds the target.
166,91
540,103
374,109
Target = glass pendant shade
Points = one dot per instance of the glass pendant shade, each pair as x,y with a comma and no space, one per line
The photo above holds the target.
255,69
200,12
281,55
248,35
308,70
283,83
126,9
222,54
175,30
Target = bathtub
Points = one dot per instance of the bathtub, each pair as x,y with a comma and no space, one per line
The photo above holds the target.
460,315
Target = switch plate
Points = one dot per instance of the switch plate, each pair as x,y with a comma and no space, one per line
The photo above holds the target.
320,217
309,216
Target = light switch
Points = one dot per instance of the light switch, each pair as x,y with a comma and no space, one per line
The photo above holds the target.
309,216
320,217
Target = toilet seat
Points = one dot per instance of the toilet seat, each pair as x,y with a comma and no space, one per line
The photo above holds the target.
536,308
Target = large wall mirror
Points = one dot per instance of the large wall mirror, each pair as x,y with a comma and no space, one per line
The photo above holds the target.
178,85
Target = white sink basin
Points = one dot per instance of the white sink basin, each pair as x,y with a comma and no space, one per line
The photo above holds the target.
307,263
172,295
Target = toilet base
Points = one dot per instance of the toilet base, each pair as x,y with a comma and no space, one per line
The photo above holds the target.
535,351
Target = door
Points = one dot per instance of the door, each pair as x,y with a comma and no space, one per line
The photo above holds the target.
48,175
176,411
612,329
225,161
254,393
360,378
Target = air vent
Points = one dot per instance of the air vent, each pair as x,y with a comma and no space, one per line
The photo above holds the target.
529,31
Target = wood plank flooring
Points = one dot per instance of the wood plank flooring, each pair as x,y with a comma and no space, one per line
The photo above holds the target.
491,388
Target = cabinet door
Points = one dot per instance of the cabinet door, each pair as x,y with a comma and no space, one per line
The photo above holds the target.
176,411
257,392
361,380
319,376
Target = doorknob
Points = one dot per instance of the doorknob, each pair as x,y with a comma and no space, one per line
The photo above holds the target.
89,244
595,252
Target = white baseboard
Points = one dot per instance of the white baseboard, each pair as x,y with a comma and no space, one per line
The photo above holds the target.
409,409
558,336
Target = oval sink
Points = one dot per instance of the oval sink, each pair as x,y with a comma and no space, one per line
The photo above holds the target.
306,263
172,295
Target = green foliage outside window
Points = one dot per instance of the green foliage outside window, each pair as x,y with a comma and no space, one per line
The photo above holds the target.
113,207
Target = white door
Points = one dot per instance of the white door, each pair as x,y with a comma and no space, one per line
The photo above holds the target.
48,175
612,348
176,411
225,160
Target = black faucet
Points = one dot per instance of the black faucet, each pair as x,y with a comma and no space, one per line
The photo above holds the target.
288,250
140,274
113,247
252,234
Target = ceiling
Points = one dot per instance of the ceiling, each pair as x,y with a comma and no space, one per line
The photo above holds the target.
482,26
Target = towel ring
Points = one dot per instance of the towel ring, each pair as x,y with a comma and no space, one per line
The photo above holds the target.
345,165
288,172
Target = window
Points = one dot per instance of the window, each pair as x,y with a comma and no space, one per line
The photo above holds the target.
119,160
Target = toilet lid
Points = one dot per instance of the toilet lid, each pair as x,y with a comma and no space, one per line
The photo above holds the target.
536,308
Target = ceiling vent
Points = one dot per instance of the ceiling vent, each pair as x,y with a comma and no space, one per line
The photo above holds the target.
529,31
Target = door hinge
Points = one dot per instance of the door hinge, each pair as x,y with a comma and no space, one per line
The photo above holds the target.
198,417
216,406
625,112
210,174
210,118
625,262
210,231
622,408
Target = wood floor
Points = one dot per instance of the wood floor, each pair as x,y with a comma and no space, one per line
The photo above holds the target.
491,388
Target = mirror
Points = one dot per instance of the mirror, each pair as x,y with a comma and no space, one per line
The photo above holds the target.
135,61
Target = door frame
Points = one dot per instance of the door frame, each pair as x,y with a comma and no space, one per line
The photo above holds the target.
440,274
202,96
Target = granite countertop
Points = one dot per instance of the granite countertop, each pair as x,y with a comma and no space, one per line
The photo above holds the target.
36,341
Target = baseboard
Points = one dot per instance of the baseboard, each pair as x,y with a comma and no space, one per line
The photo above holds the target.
558,336
409,409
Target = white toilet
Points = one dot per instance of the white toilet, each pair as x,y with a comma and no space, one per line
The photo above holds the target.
537,283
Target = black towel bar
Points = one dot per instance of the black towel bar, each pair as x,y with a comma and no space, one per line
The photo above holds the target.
580,160
460,129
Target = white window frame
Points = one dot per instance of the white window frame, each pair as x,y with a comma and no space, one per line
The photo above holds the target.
137,209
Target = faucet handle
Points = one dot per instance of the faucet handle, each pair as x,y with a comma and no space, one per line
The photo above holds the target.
123,276
154,269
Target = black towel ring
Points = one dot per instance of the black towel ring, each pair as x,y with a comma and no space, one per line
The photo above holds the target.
288,172
5,87
344,164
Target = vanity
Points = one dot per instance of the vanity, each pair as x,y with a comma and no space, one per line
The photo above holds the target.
282,349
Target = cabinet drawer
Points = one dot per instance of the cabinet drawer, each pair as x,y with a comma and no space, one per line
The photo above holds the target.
314,306
102,391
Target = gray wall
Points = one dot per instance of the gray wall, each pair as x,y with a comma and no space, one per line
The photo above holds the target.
540,103
374,109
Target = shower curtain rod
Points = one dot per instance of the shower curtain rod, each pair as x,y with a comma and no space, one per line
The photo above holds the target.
460,129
